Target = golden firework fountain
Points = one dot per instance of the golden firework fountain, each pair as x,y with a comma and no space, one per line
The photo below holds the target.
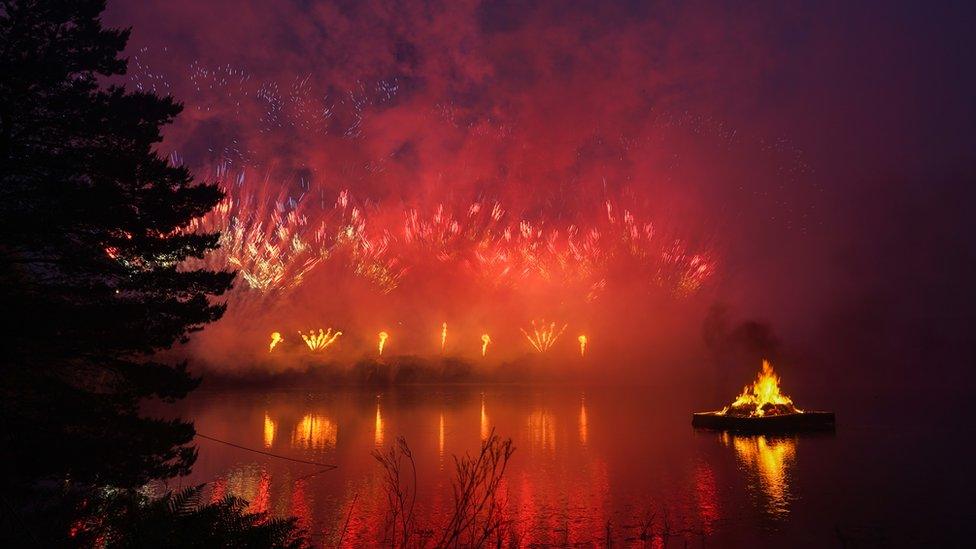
321,340
762,407
542,336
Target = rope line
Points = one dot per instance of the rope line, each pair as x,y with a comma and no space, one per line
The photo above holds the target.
326,465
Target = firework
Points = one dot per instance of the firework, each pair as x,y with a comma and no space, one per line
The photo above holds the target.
496,248
383,336
276,241
582,344
485,340
320,341
543,335
443,336
275,340
265,238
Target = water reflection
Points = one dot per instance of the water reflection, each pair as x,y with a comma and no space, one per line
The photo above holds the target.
583,428
542,430
251,483
313,432
270,427
440,437
769,460
484,420
706,493
576,466
378,426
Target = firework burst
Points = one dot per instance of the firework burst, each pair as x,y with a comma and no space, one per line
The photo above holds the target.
276,241
543,336
321,340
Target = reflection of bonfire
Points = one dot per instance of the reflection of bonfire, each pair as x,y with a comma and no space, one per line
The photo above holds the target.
771,459
762,407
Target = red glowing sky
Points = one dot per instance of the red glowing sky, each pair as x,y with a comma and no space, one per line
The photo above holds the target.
822,148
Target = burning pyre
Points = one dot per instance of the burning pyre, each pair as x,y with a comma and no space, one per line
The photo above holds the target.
762,407
762,398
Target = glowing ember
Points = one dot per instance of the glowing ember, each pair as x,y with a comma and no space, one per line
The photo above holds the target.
582,344
762,398
382,343
275,340
321,340
543,336
485,340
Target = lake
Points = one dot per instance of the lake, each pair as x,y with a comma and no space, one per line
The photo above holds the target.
589,464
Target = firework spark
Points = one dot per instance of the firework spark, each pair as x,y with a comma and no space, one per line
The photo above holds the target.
582,344
543,335
383,336
276,242
485,340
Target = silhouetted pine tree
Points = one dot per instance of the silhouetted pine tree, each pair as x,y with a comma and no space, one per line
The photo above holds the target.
89,284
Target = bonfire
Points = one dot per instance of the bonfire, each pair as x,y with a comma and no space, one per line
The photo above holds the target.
763,407
762,398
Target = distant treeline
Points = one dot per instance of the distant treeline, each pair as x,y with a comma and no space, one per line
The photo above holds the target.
395,370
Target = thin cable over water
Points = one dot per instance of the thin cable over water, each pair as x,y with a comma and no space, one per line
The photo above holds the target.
327,465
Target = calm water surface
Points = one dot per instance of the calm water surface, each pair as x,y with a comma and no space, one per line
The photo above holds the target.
584,459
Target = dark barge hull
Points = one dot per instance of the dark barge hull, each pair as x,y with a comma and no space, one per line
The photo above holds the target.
784,423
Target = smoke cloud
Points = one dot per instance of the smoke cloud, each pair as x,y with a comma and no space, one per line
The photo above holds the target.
759,138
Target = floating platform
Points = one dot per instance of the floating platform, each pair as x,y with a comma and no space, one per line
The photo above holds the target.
780,423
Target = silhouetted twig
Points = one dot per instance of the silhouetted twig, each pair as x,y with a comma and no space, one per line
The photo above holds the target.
399,496
478,514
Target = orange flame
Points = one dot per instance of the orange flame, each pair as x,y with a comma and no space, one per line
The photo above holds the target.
443,336
485,340
763,394
582,343
383,337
